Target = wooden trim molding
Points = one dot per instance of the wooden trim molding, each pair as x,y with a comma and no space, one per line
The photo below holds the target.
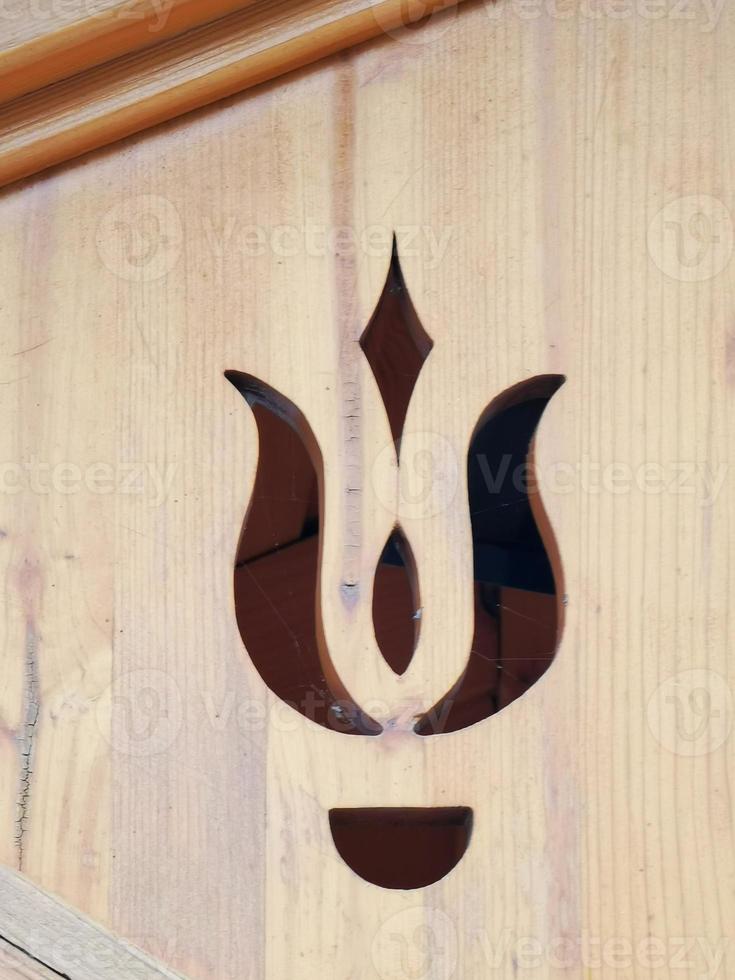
113,100
41,937
40,47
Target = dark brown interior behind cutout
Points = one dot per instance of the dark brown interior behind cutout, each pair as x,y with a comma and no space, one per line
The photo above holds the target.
276,577
517,620
516,602
402,848
396,603
396,346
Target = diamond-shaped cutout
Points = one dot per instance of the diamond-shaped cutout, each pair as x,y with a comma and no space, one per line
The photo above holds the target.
396,346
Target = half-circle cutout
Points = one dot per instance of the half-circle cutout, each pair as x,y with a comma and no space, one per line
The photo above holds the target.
518,587
277,570
401,848
396,603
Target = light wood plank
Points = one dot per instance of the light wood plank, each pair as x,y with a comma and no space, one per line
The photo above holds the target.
559,155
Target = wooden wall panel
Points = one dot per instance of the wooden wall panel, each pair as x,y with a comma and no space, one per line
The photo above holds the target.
560,189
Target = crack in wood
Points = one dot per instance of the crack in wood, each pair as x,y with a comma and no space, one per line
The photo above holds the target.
26,738
33,959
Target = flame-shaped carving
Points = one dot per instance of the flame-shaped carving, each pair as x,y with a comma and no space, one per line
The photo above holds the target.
277,596
517,620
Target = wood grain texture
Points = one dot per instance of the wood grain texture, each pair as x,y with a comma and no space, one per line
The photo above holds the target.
143,88
561,189
42,44
41,937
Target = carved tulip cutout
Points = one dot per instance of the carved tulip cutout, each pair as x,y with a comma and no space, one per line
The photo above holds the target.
277,575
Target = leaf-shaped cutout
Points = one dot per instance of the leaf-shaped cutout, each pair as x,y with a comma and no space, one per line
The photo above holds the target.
516,568
396,604
396,346
277,570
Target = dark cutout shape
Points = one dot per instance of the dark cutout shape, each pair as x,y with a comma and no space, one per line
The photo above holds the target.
517,581
401,848
396,346
396,604
277,568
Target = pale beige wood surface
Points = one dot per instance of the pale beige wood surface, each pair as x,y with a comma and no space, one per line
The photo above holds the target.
561,188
